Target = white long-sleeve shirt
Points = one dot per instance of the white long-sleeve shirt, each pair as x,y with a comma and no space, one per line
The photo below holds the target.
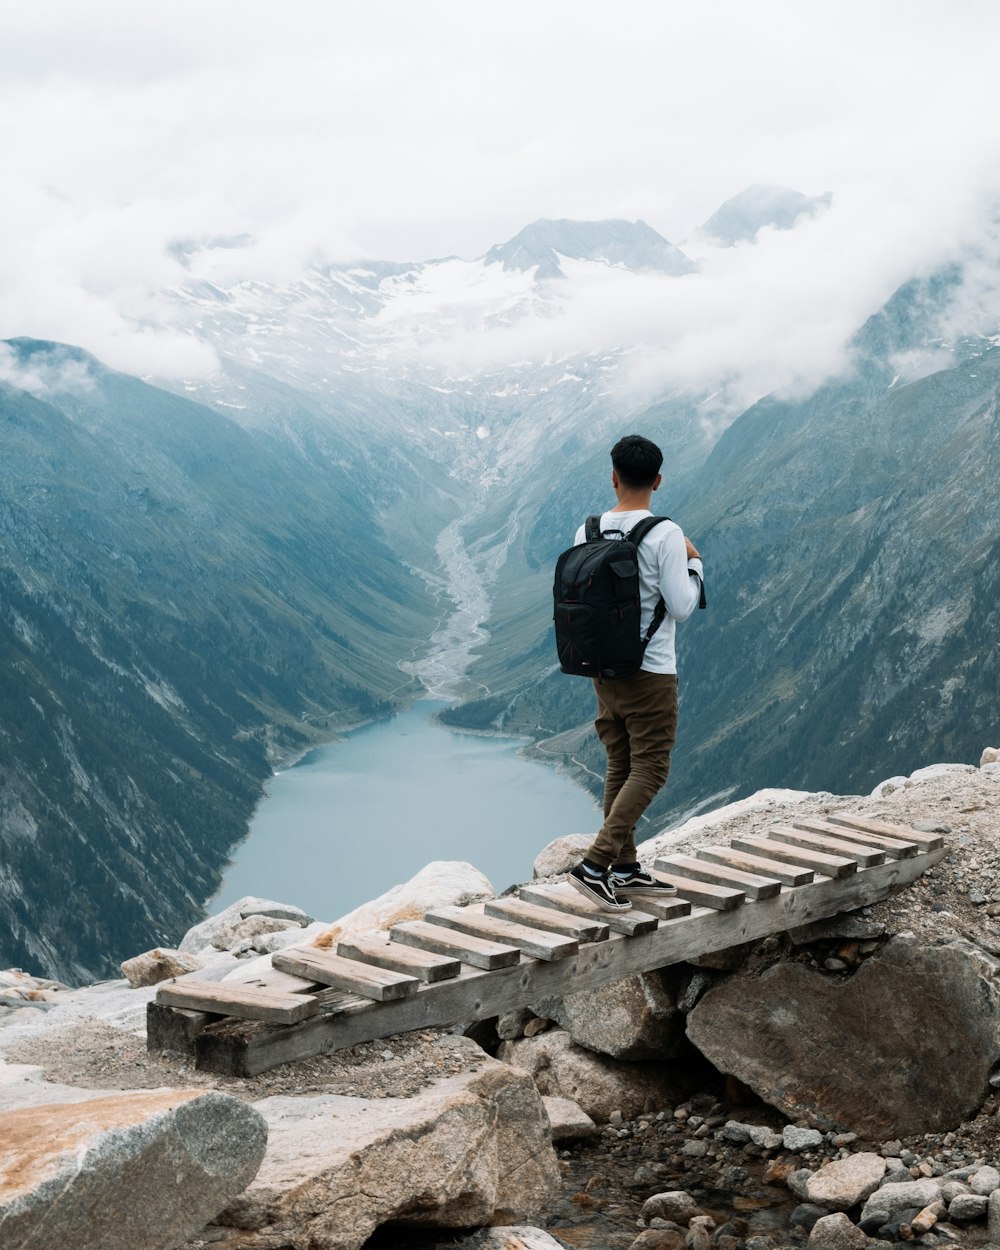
664,569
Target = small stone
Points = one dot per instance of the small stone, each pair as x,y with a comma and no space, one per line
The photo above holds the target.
926,1219
672,1204
843,1139
842,1184
951,1189
659,1239
993,1216
616,1119
968,1207
835,965
798,1183
977,897
695,1149
733,1131
990,755
893,1199
836,1232
806,1214
891,1149
158,965
800,1138
984,1181
778,1170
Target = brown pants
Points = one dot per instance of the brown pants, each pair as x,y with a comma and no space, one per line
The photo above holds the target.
637,722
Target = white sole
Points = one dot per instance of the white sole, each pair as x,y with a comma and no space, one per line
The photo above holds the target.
581,887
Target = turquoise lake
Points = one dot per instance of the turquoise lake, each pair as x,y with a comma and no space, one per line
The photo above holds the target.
353,818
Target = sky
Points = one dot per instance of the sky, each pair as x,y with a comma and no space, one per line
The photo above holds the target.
328,130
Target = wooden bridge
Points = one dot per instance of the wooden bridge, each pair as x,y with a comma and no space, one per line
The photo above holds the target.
461,964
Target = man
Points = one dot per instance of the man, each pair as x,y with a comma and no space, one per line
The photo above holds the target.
637,714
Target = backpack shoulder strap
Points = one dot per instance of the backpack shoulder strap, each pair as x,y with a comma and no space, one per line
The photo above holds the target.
641,528
592,531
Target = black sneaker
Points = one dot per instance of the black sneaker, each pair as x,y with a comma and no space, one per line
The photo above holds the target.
598,888
636,882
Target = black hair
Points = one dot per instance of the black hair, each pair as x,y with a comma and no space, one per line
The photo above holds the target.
636,460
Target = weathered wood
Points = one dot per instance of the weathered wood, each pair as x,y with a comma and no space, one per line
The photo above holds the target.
274,979
753,885
243,1001
246,1048
704,894
564,897
865,856
378,984
534,942
379,949
661,908
787,874
577,927
828,865
893,847
927,841
175,1028
470,950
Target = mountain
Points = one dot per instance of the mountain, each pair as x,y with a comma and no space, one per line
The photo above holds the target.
184,602
740,219
630,244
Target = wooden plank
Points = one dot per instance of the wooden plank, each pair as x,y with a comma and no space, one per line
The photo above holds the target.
244,1048
578,927
379,949
565,898
378,984
274,979
865,856
244,1001
869,824
828,865
787,874
470,950
175,1028
753,885
703,894
661,908
893,847
533,942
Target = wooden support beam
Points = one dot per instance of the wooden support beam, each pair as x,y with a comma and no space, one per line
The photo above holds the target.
378,948
864,856
815,861
175,1028
378,984
893,847
752,885
565,898
702,894
577,927
926,841
243,1001
534,942
470,950
787,874
245,1048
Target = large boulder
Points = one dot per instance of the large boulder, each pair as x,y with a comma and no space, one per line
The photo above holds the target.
596,1083
843,1183
905,1046
633,1018
119,1172
559,855
443,883
217,931
470,1150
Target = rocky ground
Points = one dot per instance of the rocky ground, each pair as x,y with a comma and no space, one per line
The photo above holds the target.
752,1177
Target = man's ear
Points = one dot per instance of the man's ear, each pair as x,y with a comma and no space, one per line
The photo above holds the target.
614,479
657,481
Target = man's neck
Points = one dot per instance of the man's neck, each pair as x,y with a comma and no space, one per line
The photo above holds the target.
633,501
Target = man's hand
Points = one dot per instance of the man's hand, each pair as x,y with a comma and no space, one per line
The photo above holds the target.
692,550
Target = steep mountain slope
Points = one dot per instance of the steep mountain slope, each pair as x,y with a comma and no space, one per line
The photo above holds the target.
740,219
182,601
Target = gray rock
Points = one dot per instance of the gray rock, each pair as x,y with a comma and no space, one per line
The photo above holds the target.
510,1026
890,1200
897,1176
795,1139
142,1169
984,1181
633,1018
951,1189
697,984
736,1132
968,1207
842,1184
804,1042
798,1183
205,933
848,926
836,1232
993,1217
568,1120
158,965
561,854
674,1204
513,1237
806,1214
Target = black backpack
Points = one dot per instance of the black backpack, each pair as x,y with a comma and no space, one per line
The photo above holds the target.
596,593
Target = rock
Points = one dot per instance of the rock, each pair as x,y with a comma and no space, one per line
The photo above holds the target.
806,1214
568,1120
281,939
470,1150
990,755
993,1217
673,1204
512,1237
806,1044
934,771
951,1190
510,1026
159,965
241,931
887,787
695,1149
204,934
925,1220
736,1132
561,854
632,1018
118,1172
839,1185
893,1199
727,960
764,1137
597,1083
659,1239
848,926
968,1207
984,1181
536,1025
836,1232
699,1236
443,883
798,1183
695,984
801,1138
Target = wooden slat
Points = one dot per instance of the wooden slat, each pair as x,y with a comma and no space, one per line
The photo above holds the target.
893,847
578,927
470,950
828,865
864,856
869,824
379,984
274,979
704,894
379,949
564,898
533,942
787,874
246,1048
753,885
245,1002
662,908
